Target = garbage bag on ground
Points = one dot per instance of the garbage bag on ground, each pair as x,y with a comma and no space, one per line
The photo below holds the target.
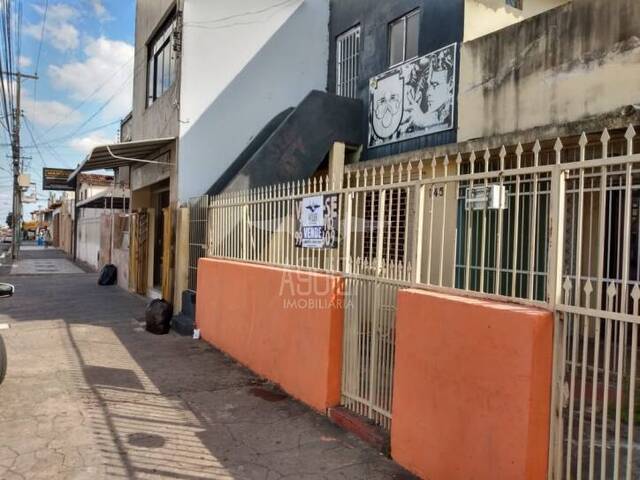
158,317
108,275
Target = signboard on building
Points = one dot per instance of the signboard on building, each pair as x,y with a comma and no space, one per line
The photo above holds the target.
317,222
413,99
56,179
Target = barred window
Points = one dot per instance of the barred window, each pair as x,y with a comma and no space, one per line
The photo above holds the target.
347,63
515,3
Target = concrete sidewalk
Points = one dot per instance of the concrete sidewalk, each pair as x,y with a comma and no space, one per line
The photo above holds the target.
90,394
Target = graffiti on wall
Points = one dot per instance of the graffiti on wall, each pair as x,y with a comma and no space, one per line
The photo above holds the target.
413,99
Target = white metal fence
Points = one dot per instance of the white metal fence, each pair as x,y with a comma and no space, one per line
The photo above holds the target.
552,223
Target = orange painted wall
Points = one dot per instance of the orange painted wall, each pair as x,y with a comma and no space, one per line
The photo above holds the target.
284,325
472,388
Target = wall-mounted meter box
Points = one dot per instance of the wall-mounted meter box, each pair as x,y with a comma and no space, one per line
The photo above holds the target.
24,180
486,197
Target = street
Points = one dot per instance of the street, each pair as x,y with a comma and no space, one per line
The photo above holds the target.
90,394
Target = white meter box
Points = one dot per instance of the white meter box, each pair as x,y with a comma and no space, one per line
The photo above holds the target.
486,197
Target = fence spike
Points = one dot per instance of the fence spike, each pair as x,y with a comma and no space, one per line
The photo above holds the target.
588,288
558,146
635,293
567,285
630,135
400,172
458,163
446,165
583,146
487,158
420,169
604,139
503,154
434,163
612,291
472,161
381,174
519,152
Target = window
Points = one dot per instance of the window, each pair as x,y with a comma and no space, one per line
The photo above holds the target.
347,63
403,38
515,4
161,62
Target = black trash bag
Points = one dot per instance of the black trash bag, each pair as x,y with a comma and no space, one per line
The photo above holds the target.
158,317
108,275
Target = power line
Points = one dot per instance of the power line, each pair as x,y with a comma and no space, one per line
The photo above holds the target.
35,84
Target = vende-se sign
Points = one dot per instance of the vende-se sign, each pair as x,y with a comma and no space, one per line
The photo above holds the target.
56,179
317,222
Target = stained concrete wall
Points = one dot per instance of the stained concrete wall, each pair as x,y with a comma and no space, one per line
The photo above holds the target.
472,388
482,17
238,74
285,325
575,63
160,119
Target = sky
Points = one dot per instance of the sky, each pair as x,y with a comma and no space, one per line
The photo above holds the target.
85,84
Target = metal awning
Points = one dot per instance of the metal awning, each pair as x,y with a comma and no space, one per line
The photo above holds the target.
121,155
117,199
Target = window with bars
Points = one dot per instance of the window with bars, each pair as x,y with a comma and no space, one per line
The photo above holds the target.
161,63
403,38
347,63
515,3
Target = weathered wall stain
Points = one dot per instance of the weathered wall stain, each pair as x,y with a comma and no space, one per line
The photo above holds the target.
575,62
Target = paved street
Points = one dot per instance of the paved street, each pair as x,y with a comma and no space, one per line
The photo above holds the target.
90,394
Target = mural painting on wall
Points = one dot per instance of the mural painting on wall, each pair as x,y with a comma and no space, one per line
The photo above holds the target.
413,99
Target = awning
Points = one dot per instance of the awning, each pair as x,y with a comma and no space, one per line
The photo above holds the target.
121,155
117,199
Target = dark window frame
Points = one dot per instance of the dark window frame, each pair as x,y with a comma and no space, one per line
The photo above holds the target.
403,19
159,47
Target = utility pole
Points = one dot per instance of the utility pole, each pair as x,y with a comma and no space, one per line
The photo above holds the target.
17,168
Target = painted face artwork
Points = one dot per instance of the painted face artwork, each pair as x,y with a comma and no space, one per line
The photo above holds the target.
413,99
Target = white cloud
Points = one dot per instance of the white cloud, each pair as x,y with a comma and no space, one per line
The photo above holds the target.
84,145
47,113
100,10
106,74
24,62
59,29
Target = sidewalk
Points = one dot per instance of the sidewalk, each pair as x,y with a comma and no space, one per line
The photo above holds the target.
90,394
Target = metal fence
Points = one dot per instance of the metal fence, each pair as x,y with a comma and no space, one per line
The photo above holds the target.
198,231
551,223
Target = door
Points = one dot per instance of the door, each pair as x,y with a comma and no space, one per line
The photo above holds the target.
161,203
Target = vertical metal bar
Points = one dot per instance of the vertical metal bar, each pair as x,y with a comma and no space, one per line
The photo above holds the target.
418,232
516,224
469,221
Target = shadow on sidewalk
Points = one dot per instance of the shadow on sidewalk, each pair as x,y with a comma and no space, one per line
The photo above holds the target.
171,407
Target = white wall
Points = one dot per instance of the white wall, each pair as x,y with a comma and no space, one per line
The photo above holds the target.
88,243
482,17
244,61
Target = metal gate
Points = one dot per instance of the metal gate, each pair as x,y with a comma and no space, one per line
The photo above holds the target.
369,348
375,249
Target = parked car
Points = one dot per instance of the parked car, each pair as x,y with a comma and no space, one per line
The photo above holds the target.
6,290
